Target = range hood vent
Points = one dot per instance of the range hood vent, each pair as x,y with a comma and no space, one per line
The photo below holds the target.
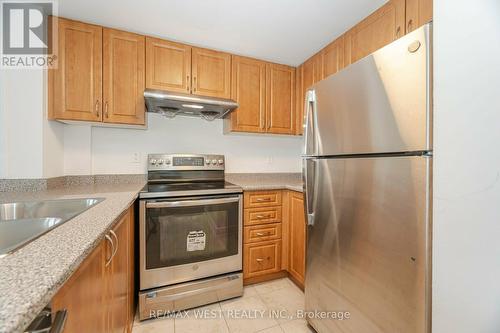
170,104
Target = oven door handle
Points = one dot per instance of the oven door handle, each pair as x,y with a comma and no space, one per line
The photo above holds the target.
190,203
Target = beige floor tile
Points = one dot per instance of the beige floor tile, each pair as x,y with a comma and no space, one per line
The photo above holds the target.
154,326
267,287
237,312
275,329
288,299
249,291
206,319
296,326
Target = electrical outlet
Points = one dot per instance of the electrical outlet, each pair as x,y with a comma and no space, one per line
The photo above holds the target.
136,158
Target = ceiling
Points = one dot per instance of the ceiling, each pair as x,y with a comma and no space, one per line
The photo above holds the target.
283,31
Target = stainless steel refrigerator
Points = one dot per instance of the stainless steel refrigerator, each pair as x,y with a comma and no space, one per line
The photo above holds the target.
367,175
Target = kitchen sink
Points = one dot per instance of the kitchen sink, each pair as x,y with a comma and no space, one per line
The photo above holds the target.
22,222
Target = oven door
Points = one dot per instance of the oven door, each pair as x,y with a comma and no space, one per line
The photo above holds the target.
183,239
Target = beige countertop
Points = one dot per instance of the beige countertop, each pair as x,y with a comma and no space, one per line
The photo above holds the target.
267,181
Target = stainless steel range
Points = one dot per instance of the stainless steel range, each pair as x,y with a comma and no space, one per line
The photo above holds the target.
190,234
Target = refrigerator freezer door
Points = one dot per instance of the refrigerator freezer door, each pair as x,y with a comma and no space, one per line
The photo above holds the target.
380,104
367,249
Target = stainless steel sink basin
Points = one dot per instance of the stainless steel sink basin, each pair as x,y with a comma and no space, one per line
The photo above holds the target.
22,222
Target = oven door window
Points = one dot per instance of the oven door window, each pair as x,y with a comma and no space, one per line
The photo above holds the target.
190,234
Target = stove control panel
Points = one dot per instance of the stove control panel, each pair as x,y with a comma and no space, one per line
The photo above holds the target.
185,162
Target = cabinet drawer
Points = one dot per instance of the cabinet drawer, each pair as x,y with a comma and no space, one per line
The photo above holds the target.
258,233
261,258
262,199
264,215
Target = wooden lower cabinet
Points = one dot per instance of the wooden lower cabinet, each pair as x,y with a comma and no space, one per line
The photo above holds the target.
83,296
262,258
99,296
297,238
274,236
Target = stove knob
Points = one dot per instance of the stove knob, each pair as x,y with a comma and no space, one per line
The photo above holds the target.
160,161
152,161
167,161
221,162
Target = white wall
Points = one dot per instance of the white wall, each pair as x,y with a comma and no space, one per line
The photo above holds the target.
112,150
466,246
30,145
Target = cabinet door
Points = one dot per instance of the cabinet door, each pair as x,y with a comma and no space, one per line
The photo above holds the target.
118,278
299,104
83,296
249,90
211,72
123,77
168,65
280,106
297,237
313,71
418,13
75,86
333,57
379,29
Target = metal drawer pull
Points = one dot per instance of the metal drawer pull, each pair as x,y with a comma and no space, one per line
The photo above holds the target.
260,234
116,238
259,260
59,321
97,109
263,199
108,261
263,216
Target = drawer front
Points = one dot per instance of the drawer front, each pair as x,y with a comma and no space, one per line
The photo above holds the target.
262,199
261,258
254,216
259,233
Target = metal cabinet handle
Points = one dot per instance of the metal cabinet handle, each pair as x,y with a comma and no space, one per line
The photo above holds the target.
108,261
260,234
409,25
263,199
116,249
194,83
190,203
263,216
106,113
187,83
259,260
398,32
97,109
59,321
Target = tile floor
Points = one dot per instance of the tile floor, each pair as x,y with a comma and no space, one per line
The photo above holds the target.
273,306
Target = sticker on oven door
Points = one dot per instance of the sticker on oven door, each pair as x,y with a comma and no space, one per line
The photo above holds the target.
196,241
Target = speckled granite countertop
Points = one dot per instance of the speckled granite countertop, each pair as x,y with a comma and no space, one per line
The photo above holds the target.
266,181
31,276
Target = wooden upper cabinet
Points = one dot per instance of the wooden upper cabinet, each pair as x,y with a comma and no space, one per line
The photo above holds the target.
168,65
280,96
75,86
377,30
297,225
300,101
312,71
249,90
418,13
211,73
333,57
123,77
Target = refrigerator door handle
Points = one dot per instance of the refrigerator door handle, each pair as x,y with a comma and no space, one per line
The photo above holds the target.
310,142
310,189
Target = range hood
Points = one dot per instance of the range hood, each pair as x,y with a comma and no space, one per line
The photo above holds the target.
170,104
